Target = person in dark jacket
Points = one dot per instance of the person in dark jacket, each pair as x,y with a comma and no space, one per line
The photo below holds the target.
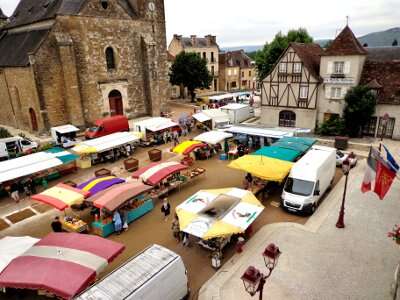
166,209
56,225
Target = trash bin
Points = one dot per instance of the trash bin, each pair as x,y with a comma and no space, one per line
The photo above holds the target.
341,142
155,155
102,172
131,164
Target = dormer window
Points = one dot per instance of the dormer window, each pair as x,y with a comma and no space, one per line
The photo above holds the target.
104,3
282,68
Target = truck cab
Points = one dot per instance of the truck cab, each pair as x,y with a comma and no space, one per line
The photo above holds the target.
13,146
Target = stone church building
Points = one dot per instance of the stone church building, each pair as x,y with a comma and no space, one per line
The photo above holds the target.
74,61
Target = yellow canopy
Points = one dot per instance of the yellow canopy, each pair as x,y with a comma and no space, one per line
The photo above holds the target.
186,146
263,167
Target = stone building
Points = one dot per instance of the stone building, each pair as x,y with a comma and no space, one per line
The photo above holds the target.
307,85
236,71
73,61
206,47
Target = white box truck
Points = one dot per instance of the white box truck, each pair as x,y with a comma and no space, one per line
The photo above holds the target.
238,113
309,179
11,147
155,274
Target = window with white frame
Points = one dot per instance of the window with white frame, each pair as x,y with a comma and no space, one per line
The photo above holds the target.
303,92
282,68
297,68
336,93
235,72
229,72
338,67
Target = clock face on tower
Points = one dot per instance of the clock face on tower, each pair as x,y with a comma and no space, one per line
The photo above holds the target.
152,6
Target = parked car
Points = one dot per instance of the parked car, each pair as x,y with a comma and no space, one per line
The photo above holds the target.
11,147
155,274
341,157
309,179
107,126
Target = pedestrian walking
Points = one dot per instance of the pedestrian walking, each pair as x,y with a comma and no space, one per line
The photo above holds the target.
176,229
14,192
117,222
166,209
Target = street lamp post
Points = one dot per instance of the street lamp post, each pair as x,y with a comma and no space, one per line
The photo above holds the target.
253,279
346,170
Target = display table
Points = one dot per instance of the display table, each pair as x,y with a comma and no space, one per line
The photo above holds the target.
77,226
107,229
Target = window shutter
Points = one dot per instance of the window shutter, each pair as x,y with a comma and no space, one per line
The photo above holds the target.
347,67
327,92
330,68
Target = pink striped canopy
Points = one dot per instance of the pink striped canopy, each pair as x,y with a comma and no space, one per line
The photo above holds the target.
61,263
156,172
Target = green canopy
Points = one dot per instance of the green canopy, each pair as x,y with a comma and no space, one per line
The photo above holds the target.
292,146
278,153
300,140
64,156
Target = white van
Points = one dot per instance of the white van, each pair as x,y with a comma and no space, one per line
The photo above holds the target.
11,147
309,179
155,274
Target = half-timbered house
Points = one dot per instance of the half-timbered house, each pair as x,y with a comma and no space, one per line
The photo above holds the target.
290,91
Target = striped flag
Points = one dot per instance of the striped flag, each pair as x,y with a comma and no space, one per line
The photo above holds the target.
370,171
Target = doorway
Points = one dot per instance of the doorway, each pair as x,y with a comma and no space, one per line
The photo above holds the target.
116,104
34,123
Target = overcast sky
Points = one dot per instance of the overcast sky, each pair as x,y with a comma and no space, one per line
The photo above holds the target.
253,22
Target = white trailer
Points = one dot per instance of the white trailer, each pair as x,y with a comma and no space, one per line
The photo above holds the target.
155,274
212,118
11,147
238,113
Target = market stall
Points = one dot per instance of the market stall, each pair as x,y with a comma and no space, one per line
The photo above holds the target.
98,184
188,149
213,137
154,129
60,265
279,153
64,135
131,199
214,216
210,119
61,197
107,148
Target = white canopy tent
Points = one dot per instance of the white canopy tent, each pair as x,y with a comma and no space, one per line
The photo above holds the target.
156,124
11,247
261,132
201,117
213,137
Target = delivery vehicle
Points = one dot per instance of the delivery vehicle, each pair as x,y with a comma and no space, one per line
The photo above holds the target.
155,274
238,113
11,147
107,126
64,135
309,179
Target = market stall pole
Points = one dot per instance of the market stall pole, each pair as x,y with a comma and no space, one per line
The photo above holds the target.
66,262
61,197
130,198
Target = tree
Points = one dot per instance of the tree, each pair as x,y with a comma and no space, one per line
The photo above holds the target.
267,57
360,106
395,43
190,70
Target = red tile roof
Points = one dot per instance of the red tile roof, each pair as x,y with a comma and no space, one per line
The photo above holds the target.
310,55
385,77
345,44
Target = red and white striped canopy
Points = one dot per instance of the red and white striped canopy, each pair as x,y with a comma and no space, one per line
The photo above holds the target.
61,263
156,172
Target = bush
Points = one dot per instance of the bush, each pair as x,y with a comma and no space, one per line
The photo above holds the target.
4,133
333,126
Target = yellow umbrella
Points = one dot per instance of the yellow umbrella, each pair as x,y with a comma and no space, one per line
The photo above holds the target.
263,167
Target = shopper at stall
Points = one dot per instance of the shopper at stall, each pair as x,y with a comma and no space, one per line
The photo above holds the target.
248,181
14,192
166,209
117,222
175,228
56,225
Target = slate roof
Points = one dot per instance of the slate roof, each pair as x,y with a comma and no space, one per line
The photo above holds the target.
310,55
200,43
237,59
345,44
2,15
383,53
15,48
385,76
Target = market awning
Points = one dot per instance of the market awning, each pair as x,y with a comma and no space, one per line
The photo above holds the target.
106,143
61,196
188,146
156,172
218,213
292,145
99,184
12,247
34,163
278,153
258,131
116,196
61,263
65,129
213,137
201,117
299,140
263,167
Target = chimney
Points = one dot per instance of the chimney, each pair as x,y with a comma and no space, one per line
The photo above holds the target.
194,40
211,39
